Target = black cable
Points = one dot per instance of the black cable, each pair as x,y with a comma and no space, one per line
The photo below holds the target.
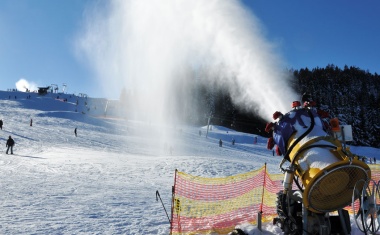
286,156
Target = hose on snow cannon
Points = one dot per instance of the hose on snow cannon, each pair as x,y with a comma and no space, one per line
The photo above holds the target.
328,171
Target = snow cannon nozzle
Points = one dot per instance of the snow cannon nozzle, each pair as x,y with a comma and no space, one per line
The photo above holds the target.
278,151
296,104
335,125
269,127
277,114
270,143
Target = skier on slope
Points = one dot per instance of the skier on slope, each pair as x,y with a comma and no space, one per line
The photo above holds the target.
10,143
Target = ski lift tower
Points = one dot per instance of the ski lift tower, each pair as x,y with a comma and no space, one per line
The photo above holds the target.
83,95
64,87
55,87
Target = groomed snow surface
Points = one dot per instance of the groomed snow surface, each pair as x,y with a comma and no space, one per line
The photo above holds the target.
104,181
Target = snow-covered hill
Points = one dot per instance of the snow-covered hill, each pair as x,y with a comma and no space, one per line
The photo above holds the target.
104,180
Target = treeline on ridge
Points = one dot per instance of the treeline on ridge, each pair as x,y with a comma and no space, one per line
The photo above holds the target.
351,94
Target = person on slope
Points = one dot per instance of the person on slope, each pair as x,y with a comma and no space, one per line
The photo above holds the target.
10,144
1,124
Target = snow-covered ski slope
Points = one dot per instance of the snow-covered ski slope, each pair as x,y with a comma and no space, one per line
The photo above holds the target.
104,180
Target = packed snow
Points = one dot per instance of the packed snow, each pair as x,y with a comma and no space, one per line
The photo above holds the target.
104,181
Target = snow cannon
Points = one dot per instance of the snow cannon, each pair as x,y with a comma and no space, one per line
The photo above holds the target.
324,170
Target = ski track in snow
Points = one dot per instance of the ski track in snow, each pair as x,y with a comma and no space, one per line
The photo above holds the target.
104,181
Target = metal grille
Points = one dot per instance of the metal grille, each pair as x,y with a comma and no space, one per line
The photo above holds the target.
333,190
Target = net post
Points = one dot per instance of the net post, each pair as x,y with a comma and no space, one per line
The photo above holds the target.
259,215
173,196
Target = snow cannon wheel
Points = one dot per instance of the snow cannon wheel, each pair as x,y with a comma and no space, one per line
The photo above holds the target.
365,208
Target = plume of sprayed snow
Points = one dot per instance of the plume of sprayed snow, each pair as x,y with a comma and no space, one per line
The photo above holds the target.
141,45
24,85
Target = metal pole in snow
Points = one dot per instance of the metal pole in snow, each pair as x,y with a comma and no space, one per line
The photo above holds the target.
208,124
159,196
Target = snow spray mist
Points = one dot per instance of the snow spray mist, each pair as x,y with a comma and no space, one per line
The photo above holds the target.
143,45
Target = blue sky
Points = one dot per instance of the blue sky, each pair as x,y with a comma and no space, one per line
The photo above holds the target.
317,33
37,38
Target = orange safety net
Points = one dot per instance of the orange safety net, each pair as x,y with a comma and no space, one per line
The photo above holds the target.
216,205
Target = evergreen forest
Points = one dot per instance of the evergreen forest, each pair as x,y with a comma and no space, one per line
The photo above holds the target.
350,94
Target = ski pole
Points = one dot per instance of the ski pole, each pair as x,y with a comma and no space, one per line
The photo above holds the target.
158,196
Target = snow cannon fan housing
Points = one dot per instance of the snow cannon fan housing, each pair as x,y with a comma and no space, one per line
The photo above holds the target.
328,171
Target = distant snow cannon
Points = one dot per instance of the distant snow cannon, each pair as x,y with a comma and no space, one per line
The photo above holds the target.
324,170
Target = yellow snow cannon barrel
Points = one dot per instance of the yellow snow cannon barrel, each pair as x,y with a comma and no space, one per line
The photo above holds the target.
328,172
